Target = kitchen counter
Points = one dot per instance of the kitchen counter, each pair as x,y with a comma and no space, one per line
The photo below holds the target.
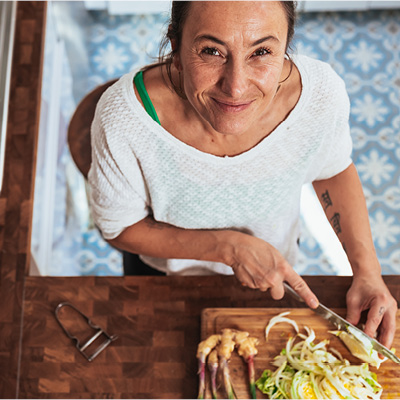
157,320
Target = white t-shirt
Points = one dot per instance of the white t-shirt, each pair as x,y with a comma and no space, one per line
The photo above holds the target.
138,168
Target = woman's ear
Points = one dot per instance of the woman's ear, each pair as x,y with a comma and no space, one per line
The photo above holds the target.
174,45
175,52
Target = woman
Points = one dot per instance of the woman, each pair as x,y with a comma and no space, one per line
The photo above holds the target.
199,161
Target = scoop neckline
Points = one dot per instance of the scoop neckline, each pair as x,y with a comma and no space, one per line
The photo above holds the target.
146,119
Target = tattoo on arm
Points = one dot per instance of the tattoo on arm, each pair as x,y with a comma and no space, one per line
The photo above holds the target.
326,200
335,220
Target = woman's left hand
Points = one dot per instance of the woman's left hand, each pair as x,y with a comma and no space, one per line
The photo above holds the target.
344,203
371,293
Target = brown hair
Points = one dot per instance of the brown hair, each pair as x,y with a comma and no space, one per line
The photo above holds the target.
179,13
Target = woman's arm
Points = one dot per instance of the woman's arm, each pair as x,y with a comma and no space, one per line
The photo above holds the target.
255,263
344,204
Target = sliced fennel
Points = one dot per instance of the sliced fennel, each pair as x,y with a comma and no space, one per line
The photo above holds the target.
280,318
359,347
307,370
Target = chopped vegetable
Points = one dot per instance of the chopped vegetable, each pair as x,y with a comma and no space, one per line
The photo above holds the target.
360,347
280,318
308,370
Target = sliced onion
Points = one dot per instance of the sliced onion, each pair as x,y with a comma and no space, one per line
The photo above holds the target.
278,319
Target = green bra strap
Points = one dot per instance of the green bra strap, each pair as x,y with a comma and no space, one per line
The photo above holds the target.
148,105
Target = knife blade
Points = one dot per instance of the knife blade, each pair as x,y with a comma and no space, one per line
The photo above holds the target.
342,324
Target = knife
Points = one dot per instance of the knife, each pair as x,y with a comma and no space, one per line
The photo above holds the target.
342,324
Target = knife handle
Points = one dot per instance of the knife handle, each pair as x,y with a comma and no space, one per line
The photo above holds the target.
292,292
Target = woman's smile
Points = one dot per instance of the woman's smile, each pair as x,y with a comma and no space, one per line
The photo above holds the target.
231,107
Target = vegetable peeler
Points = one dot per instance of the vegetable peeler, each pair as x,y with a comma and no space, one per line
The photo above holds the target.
84,348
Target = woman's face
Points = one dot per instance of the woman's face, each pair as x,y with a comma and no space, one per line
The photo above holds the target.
231,59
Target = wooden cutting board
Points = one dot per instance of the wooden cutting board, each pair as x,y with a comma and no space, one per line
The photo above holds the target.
254,321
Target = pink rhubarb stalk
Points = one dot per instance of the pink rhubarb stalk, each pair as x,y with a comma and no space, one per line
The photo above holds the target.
202,375
250,364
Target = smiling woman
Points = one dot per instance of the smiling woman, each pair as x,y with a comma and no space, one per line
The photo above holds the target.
210,181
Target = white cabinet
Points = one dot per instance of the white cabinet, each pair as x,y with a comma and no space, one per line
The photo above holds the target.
129,7
154,7
381,4
357,5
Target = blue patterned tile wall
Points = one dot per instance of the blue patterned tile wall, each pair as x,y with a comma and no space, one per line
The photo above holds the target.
120,43
363,47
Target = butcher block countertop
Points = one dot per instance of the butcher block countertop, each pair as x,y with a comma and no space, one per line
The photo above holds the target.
158,324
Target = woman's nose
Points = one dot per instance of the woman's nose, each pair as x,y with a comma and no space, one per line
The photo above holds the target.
234,80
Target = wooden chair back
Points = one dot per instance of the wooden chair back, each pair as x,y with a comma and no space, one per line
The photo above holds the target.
79,128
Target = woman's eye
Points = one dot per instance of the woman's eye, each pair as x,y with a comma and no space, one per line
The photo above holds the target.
261,52
211,51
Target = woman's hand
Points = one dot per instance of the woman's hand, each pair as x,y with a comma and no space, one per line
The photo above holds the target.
259,265
371,293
